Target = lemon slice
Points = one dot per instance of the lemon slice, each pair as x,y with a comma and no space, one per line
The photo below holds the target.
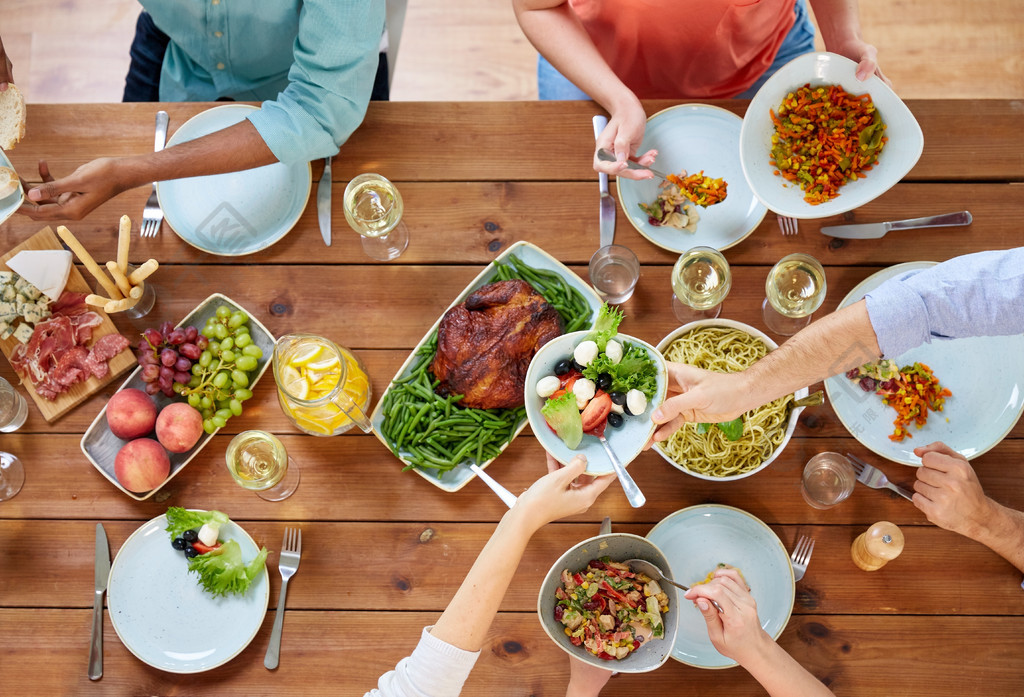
293,383
305,354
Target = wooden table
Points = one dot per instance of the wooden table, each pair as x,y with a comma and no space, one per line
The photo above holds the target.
384,550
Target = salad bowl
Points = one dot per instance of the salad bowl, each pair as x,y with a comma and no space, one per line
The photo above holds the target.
617,547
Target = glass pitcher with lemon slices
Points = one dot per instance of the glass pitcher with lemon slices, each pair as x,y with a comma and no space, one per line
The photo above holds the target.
322,387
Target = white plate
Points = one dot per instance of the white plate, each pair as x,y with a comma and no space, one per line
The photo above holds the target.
532,255
695,540
12,202
238,212
794,415
985,404
101,446
626,442
695,137
165,618
900,154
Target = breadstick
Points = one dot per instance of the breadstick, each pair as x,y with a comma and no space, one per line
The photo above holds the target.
120,305
97,300
140,274
119,278
136,291
124,238
89,262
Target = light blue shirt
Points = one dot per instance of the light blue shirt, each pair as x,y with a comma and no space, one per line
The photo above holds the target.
973,295
312,63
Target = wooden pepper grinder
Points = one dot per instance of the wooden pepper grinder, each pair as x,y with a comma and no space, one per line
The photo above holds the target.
875,548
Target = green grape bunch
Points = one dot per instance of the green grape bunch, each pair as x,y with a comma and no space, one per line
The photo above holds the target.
222,374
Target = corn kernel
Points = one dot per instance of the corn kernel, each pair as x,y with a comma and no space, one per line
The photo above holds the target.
584,585
568,632
574,596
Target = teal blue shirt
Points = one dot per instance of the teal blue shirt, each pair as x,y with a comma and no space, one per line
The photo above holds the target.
312,63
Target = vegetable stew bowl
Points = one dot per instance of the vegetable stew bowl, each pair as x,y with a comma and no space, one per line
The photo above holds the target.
618,547
794,414
897,158
627,442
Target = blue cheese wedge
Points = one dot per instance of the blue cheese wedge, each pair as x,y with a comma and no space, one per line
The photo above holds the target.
6,331
9,292
7,277
24,332
8,310
45,269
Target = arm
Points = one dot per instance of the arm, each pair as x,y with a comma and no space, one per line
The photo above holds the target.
556,32
833,344
839,22
948,492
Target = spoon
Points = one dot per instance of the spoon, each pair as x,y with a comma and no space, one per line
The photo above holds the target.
606,156
504,494
646,567
635,497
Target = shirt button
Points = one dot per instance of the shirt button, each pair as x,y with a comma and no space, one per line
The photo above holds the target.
218,34
220,66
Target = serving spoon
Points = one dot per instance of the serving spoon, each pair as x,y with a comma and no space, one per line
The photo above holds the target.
646,567
635,497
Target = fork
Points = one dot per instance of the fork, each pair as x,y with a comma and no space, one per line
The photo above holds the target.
871,476
288,564
787,225
153,214
801,556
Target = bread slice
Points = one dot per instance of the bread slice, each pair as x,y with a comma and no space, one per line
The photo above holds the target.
12,117
8,182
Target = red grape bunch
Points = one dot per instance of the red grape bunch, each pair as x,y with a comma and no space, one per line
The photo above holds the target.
166,355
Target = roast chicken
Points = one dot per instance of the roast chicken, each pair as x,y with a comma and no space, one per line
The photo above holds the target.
484,345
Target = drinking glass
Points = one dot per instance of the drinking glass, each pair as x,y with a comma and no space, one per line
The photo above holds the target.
700,281
373,207
828,478
145,303
13,408
795,288
322,387
12,476
614,271
258,461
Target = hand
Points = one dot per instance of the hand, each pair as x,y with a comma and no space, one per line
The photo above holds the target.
6,68
948,491
622,136
586,680
74,196
697,395
866,57
563,492
736,632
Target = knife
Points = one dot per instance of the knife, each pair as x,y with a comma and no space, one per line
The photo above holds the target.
872,231
102,572
323,202
607,210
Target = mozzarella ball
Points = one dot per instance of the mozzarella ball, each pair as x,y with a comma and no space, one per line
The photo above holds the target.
613,349
585,353
584,390
636,402
547,386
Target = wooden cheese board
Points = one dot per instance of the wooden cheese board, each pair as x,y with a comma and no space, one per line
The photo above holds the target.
79,392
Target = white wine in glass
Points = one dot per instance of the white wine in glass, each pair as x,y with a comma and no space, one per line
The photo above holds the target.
700,281
373,207
258,461
795,288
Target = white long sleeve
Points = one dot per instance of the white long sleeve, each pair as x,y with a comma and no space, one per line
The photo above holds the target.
435,669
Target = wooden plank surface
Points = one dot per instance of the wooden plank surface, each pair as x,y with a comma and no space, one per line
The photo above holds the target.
51,410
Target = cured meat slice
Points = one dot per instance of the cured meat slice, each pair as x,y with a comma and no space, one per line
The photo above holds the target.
83,324
72,367
69,304
108,346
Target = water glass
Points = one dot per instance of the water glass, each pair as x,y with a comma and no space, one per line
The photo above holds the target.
13,408
12,476
794,289
614,271
373,208
258,461
828,478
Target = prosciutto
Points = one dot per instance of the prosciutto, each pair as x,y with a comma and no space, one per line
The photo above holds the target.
57,356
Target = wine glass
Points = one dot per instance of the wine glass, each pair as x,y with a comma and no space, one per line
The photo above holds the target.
795,288
12,476
373,207
700,281
258,461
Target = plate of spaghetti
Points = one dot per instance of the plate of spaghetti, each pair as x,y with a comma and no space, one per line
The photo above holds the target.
705,452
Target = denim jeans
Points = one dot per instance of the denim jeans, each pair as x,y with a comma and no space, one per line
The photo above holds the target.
551,84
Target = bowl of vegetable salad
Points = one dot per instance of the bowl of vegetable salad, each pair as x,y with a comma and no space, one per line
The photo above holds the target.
602,612
816,141
589,383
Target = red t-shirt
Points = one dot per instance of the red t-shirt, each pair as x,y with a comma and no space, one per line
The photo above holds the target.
669,49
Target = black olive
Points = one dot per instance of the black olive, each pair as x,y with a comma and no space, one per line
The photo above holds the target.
191,552
577,367
604,381
618,398
563,366
190,536
615,420
179,543
625,410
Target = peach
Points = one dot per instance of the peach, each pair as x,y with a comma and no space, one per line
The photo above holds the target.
178,427
130,414
141,465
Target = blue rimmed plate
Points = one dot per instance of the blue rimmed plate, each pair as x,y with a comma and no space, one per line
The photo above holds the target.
235,213
165,618
985,404
695,137
695,540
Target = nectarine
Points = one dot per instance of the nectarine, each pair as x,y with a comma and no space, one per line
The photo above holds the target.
178,427
130,414
141,465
